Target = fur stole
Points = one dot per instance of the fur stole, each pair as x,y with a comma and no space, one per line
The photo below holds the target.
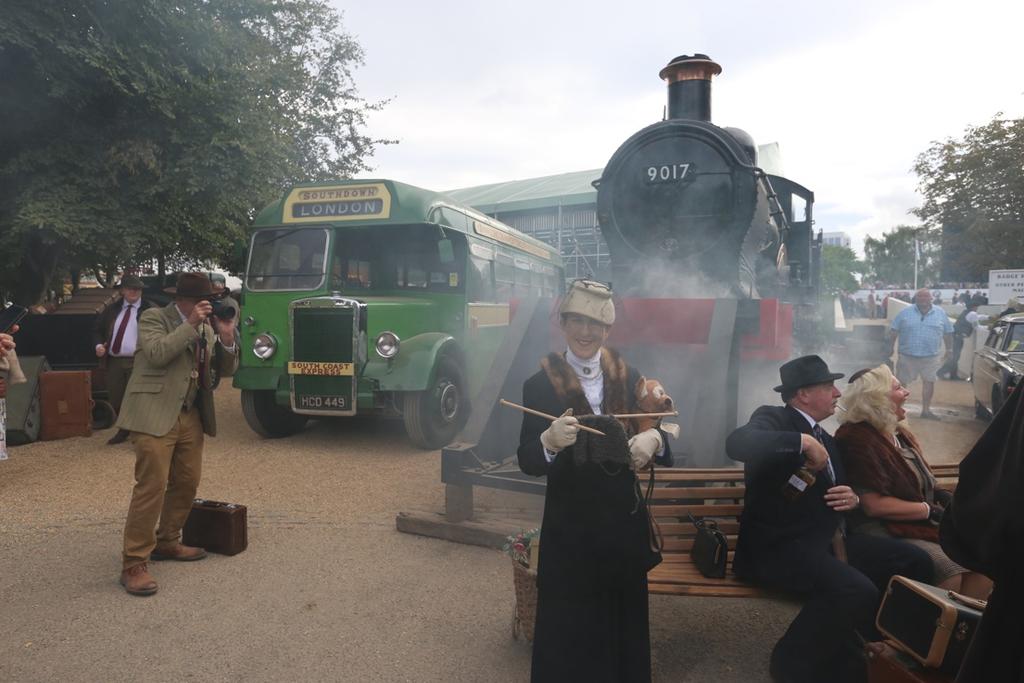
873,462
569,391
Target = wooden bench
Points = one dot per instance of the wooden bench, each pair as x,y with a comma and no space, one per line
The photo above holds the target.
715,494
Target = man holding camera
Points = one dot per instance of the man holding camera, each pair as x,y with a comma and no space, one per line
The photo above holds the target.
183,349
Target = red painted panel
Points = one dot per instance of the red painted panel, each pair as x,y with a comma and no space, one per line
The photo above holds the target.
662,321
688,322
774,340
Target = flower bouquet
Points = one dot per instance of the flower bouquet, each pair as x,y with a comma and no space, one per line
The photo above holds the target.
522,549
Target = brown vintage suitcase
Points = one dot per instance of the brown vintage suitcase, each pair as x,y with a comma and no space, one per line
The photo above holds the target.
933,625
66,400
886,664
218,527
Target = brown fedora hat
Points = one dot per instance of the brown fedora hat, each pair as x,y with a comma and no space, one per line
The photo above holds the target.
192,286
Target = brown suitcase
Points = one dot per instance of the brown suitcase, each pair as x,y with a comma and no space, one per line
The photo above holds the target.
933,625
218,527
886,664
66,400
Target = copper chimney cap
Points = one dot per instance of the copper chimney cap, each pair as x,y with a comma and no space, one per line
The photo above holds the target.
696,67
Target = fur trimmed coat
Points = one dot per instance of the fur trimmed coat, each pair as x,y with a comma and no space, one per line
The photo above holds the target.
874,463
592,618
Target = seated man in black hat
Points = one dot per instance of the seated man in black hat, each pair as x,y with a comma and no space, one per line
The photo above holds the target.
792,532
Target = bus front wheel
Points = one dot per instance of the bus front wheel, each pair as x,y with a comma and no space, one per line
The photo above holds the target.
434,417
268,419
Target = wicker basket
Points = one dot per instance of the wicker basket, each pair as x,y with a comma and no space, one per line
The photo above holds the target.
525,580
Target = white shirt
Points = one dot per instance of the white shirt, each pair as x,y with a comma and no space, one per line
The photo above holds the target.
131,333
813,423
974,318
591,377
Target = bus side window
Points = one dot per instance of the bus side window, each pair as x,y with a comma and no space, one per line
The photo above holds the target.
522,277
480,286
504,277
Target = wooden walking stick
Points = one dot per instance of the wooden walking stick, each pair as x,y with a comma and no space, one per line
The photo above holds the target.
531,411
674,413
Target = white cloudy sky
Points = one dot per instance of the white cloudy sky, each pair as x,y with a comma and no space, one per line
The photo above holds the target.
485,92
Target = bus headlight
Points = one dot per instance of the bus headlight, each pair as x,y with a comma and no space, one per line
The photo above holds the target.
387,344
264,346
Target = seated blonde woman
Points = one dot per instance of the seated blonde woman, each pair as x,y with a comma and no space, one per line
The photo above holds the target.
885,466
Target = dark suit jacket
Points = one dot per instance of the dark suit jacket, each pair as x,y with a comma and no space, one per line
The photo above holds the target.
595,534
769,447
103,328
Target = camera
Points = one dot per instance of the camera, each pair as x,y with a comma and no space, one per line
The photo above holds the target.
221,310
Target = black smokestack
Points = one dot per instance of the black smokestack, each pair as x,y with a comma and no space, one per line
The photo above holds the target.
689,86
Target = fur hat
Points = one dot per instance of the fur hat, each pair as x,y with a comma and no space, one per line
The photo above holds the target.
1013,303
591,299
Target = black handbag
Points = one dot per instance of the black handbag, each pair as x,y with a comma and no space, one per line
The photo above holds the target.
710,551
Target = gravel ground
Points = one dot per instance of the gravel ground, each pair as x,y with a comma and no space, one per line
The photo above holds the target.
328,590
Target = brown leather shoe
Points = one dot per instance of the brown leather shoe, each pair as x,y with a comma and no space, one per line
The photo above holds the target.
137,580
178,552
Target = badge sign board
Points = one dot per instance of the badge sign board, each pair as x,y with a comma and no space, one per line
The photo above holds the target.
1004,284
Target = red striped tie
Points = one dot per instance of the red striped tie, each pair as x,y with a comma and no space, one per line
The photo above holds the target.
119,337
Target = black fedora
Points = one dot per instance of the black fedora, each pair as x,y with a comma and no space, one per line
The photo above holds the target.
805,371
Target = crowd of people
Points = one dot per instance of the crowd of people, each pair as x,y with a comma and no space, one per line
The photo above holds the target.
874,303
868,510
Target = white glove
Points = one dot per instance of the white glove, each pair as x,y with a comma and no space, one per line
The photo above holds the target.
561,433
643,446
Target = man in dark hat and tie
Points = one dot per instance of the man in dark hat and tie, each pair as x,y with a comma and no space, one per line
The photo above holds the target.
115,336
182,353
792,532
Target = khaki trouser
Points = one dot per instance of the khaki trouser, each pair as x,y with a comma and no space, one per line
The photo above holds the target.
119,371
167,470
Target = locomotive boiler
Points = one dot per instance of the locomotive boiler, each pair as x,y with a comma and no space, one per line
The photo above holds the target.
687,211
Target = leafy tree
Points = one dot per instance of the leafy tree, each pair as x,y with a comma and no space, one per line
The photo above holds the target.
838,265
140,129
973,190
890,259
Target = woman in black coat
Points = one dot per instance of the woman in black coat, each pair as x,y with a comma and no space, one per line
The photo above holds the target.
592,622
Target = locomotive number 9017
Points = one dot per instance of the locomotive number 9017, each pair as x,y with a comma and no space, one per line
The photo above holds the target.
667,173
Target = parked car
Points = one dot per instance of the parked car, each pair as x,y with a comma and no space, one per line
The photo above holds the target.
998,365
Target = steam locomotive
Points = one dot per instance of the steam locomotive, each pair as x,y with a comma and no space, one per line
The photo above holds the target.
684,196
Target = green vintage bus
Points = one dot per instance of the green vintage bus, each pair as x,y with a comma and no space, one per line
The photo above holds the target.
372,297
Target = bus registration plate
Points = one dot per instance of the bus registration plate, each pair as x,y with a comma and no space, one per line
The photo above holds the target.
322,369
307,402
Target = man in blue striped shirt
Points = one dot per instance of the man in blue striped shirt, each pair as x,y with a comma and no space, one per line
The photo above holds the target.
921,330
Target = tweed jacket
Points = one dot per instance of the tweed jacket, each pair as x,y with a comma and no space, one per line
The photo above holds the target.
163,365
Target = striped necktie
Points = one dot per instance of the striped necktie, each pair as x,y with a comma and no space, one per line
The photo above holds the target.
819,434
